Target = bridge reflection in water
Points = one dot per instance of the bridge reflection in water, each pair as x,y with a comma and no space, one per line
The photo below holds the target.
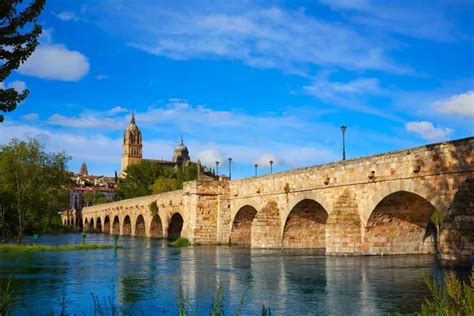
145,276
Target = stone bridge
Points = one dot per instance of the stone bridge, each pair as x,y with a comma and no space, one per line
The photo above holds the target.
379,204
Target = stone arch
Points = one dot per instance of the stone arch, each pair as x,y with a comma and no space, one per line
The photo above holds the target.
175,227
266,227
399,224
116,225
127,226
241,231
99,225
140,226
86,224
107,224
305,226
156,226
91,225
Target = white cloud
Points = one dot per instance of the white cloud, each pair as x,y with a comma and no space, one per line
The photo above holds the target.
208,157
116,110
67,16
30,117
85,121
18,85
263,160
259,37
55,62
460,104
427,131
398,17
102,77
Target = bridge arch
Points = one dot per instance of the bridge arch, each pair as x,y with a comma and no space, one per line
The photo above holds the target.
241,230
107,224
116,225
140,226
91,225
400,224
127,226
156,226
305,226
99,225
86,225
175,226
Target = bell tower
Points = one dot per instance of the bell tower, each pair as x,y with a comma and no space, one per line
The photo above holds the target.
132,145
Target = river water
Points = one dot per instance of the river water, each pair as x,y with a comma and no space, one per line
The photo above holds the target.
144,277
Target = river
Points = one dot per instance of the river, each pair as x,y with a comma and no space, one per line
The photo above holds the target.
144,277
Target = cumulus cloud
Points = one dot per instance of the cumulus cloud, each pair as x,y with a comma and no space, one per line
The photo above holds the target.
56,62
459,104
428,131
85,121
67,16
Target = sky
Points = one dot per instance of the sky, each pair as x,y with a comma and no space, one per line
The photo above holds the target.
252,80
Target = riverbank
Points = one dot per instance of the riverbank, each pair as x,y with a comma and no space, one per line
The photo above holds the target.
9,248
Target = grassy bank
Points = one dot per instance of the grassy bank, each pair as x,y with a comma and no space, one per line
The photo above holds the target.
9,248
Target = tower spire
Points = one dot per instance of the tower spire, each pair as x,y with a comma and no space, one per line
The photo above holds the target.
132,120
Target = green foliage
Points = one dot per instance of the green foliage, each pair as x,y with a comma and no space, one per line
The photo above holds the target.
454,298
32,188
6,293
153,208
148,177
218,303
100,198
436,218
16,248
180,242
183,303
19,34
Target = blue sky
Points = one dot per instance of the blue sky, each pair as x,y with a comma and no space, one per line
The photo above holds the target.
251,80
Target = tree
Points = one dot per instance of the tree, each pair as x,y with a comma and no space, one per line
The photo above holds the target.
19,34
33,183
437,220
88,197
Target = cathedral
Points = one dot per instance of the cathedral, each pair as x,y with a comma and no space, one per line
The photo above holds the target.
132,150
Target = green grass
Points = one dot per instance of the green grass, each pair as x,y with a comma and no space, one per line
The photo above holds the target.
14,248
180,242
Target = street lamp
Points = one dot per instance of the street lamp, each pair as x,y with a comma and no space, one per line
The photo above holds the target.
271,166
217,168
343,130
256,166
230,168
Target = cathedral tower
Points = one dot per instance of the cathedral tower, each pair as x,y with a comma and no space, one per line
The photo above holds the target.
132,145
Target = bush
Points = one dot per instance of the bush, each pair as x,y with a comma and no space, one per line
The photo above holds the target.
180,242
454,298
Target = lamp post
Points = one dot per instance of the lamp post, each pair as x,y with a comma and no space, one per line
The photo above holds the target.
271,166
230,168
256,166
343,130
217,168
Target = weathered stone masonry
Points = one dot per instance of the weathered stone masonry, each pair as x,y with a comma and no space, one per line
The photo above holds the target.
380,204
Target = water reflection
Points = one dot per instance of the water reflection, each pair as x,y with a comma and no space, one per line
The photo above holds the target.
145,276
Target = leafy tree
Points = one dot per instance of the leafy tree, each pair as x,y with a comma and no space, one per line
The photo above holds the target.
19,34
100,198
148,177
33,183
88,197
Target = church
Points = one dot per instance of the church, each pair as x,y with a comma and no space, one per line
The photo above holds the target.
132,150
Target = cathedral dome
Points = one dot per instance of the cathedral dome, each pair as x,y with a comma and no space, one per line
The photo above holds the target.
181,153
